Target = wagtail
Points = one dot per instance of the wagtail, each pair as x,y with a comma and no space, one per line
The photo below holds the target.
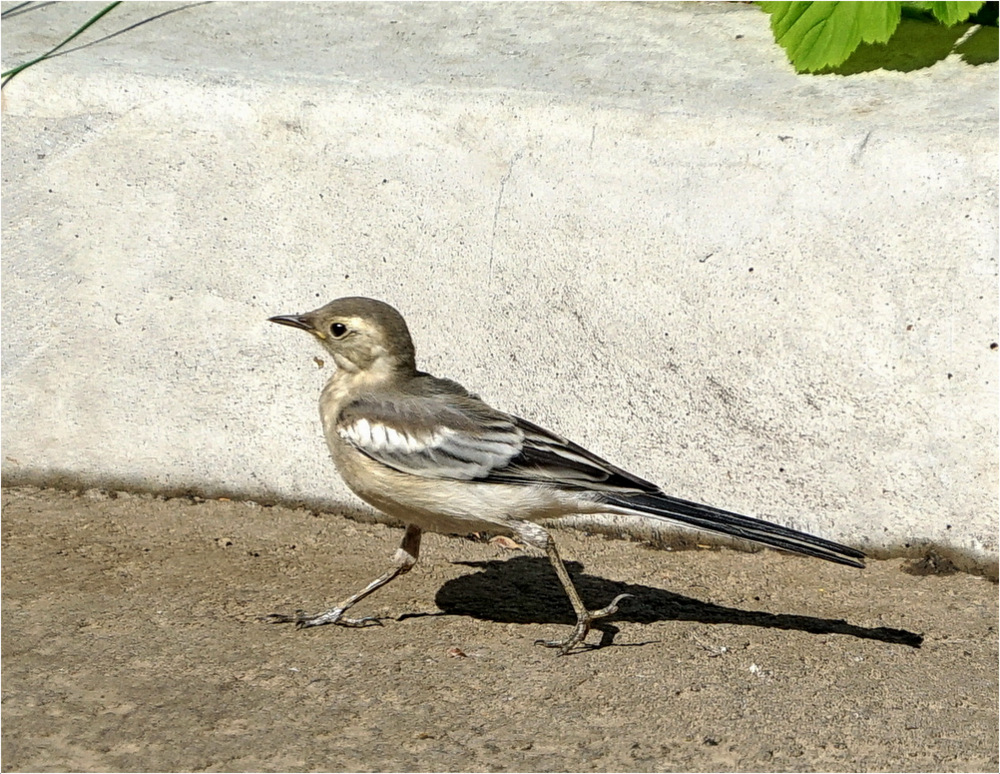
433,455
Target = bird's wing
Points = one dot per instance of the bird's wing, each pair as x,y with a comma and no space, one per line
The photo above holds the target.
435,429
549,458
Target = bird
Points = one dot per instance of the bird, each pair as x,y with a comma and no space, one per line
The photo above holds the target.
438,458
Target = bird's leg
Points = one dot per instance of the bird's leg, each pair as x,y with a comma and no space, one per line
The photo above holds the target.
402,562
540,538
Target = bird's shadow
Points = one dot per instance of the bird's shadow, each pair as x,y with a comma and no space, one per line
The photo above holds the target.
525,589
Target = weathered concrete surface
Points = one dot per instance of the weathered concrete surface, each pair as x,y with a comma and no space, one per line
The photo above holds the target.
631,223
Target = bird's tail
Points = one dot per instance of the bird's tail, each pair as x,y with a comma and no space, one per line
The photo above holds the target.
663,506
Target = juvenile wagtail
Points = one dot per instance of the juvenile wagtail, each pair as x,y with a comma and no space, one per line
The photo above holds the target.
430,453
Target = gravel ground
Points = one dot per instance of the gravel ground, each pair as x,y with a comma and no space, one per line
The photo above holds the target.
132,641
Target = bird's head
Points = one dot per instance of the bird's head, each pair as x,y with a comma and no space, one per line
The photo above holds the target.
362,334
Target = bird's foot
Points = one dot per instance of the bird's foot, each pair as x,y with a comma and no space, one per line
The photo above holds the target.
334,616
583,624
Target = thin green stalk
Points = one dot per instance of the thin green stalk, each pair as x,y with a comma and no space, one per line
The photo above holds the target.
14,71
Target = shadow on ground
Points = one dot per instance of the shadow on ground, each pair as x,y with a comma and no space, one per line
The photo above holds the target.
525,590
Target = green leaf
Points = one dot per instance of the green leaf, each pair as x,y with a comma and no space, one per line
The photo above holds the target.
823,34
953,13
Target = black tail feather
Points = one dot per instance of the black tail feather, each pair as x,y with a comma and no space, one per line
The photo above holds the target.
704,517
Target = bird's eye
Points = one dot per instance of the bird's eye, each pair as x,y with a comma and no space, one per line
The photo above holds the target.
338,330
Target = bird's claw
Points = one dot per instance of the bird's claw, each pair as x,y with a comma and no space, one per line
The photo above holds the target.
583,624
611,608
351,623
335,616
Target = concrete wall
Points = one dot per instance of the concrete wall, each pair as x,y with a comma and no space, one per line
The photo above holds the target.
632,223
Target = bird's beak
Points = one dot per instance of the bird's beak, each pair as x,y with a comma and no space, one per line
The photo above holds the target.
299,321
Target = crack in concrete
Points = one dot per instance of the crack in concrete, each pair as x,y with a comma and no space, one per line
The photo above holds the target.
496,214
